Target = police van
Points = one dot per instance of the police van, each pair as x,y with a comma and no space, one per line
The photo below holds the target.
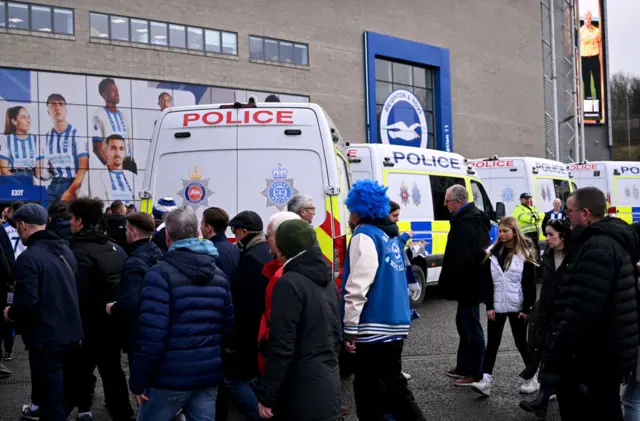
507,178
252,157
618,180
418,179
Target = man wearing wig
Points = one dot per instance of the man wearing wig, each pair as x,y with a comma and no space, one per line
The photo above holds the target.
376,314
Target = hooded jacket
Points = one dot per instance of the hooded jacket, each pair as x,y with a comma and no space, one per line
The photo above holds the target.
247,289
45,304
595,317
466,244
100,264
376,302
61,226
144,254
184,319
302,380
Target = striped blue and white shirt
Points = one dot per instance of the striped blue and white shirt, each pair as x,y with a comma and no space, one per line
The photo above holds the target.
61,152
119,187
21,153
107,123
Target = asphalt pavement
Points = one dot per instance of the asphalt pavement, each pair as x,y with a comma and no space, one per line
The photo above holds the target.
429,352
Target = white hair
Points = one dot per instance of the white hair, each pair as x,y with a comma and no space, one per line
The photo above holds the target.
298,202
278,218
459,193
181,224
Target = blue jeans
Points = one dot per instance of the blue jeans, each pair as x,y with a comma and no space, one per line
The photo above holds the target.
243,397
471,348
197,405
631,400
56,188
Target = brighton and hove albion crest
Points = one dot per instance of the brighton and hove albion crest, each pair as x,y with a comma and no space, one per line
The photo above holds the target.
279,188
507,194
404,194
196,190
416,195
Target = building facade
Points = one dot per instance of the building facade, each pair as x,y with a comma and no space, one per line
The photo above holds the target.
475,67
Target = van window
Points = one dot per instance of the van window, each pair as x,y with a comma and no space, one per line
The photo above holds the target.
481,198
573,186
413,193
439,186
343,173
562,190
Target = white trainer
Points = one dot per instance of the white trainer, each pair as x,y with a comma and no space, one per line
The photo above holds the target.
483,386
406,375
530,386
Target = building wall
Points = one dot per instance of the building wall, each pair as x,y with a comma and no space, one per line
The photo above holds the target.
496,76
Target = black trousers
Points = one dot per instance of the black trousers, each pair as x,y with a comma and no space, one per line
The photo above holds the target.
495,329
7,338
599,401
535,238
379,385
591,66
102,351
51,381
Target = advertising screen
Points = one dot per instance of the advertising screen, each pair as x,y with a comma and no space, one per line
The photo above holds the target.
72,135
592,60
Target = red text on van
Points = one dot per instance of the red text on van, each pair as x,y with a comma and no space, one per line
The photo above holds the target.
492,164
223,118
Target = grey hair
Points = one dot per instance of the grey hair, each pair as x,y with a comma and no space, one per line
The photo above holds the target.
181,224
278,218
298,202
459,193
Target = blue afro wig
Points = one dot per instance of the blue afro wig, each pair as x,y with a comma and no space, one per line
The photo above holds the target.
368,199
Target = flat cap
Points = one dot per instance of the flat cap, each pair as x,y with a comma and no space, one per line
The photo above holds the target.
31,213
248,220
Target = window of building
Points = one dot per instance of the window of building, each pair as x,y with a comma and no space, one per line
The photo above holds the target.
270,49
41,18
3,15
18,16
391,76
62,21
121,28
36,17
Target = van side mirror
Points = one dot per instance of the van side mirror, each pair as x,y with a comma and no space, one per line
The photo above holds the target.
501,211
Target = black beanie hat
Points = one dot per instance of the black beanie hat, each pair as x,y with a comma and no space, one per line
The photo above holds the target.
295,236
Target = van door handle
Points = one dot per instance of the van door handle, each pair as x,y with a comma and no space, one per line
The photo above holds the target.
293,132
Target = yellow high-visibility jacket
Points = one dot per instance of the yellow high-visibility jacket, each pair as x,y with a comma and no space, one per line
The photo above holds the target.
529,218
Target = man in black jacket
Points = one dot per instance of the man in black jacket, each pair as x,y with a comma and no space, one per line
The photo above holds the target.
247,291
595,323
60,220
100,264
302,378
459,281
45,311
7,260
213,226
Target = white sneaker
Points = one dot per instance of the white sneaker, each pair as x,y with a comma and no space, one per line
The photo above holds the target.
406,375
530,386
553,397
484,385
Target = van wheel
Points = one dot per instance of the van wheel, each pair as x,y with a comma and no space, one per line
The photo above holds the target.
422,279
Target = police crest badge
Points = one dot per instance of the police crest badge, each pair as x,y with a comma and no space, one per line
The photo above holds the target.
196,189
507,194
636,192
279,188
404,194
416,195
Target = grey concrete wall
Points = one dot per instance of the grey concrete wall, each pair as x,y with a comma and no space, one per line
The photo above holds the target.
495,57
596,143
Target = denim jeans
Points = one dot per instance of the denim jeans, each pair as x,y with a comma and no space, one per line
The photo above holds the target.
49,382
197,405
631,400
471,348
56,188
243,396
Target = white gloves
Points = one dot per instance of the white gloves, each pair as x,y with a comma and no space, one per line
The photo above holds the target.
415,290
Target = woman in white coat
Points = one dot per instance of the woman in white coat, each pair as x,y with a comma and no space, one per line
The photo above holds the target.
509,280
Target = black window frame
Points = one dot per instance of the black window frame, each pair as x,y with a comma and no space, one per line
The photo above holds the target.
438,191
279,41
167,25
30,19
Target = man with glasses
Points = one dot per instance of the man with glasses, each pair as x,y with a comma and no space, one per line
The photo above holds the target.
595,339
302,205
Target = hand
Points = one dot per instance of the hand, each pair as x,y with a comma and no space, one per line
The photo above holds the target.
141,399
68,195
265,413
350,346
415,290
410,233
523,316
491,315
108,307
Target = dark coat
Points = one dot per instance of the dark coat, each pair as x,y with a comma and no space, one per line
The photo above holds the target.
100,264
228,255
61,226
248,291
144,254
160,238
466,244
45,304
185,316
302,378
595,318
7,259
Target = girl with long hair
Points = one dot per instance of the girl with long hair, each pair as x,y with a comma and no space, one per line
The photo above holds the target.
553,264
19,148
508,277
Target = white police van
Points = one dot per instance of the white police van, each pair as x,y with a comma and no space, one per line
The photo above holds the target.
252,157
417,179
618,180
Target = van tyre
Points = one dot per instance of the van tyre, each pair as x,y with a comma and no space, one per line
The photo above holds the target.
422,279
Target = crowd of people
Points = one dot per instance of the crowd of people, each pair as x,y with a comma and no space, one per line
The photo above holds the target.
259,322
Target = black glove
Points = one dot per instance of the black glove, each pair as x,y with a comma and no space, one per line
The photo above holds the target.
130,165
